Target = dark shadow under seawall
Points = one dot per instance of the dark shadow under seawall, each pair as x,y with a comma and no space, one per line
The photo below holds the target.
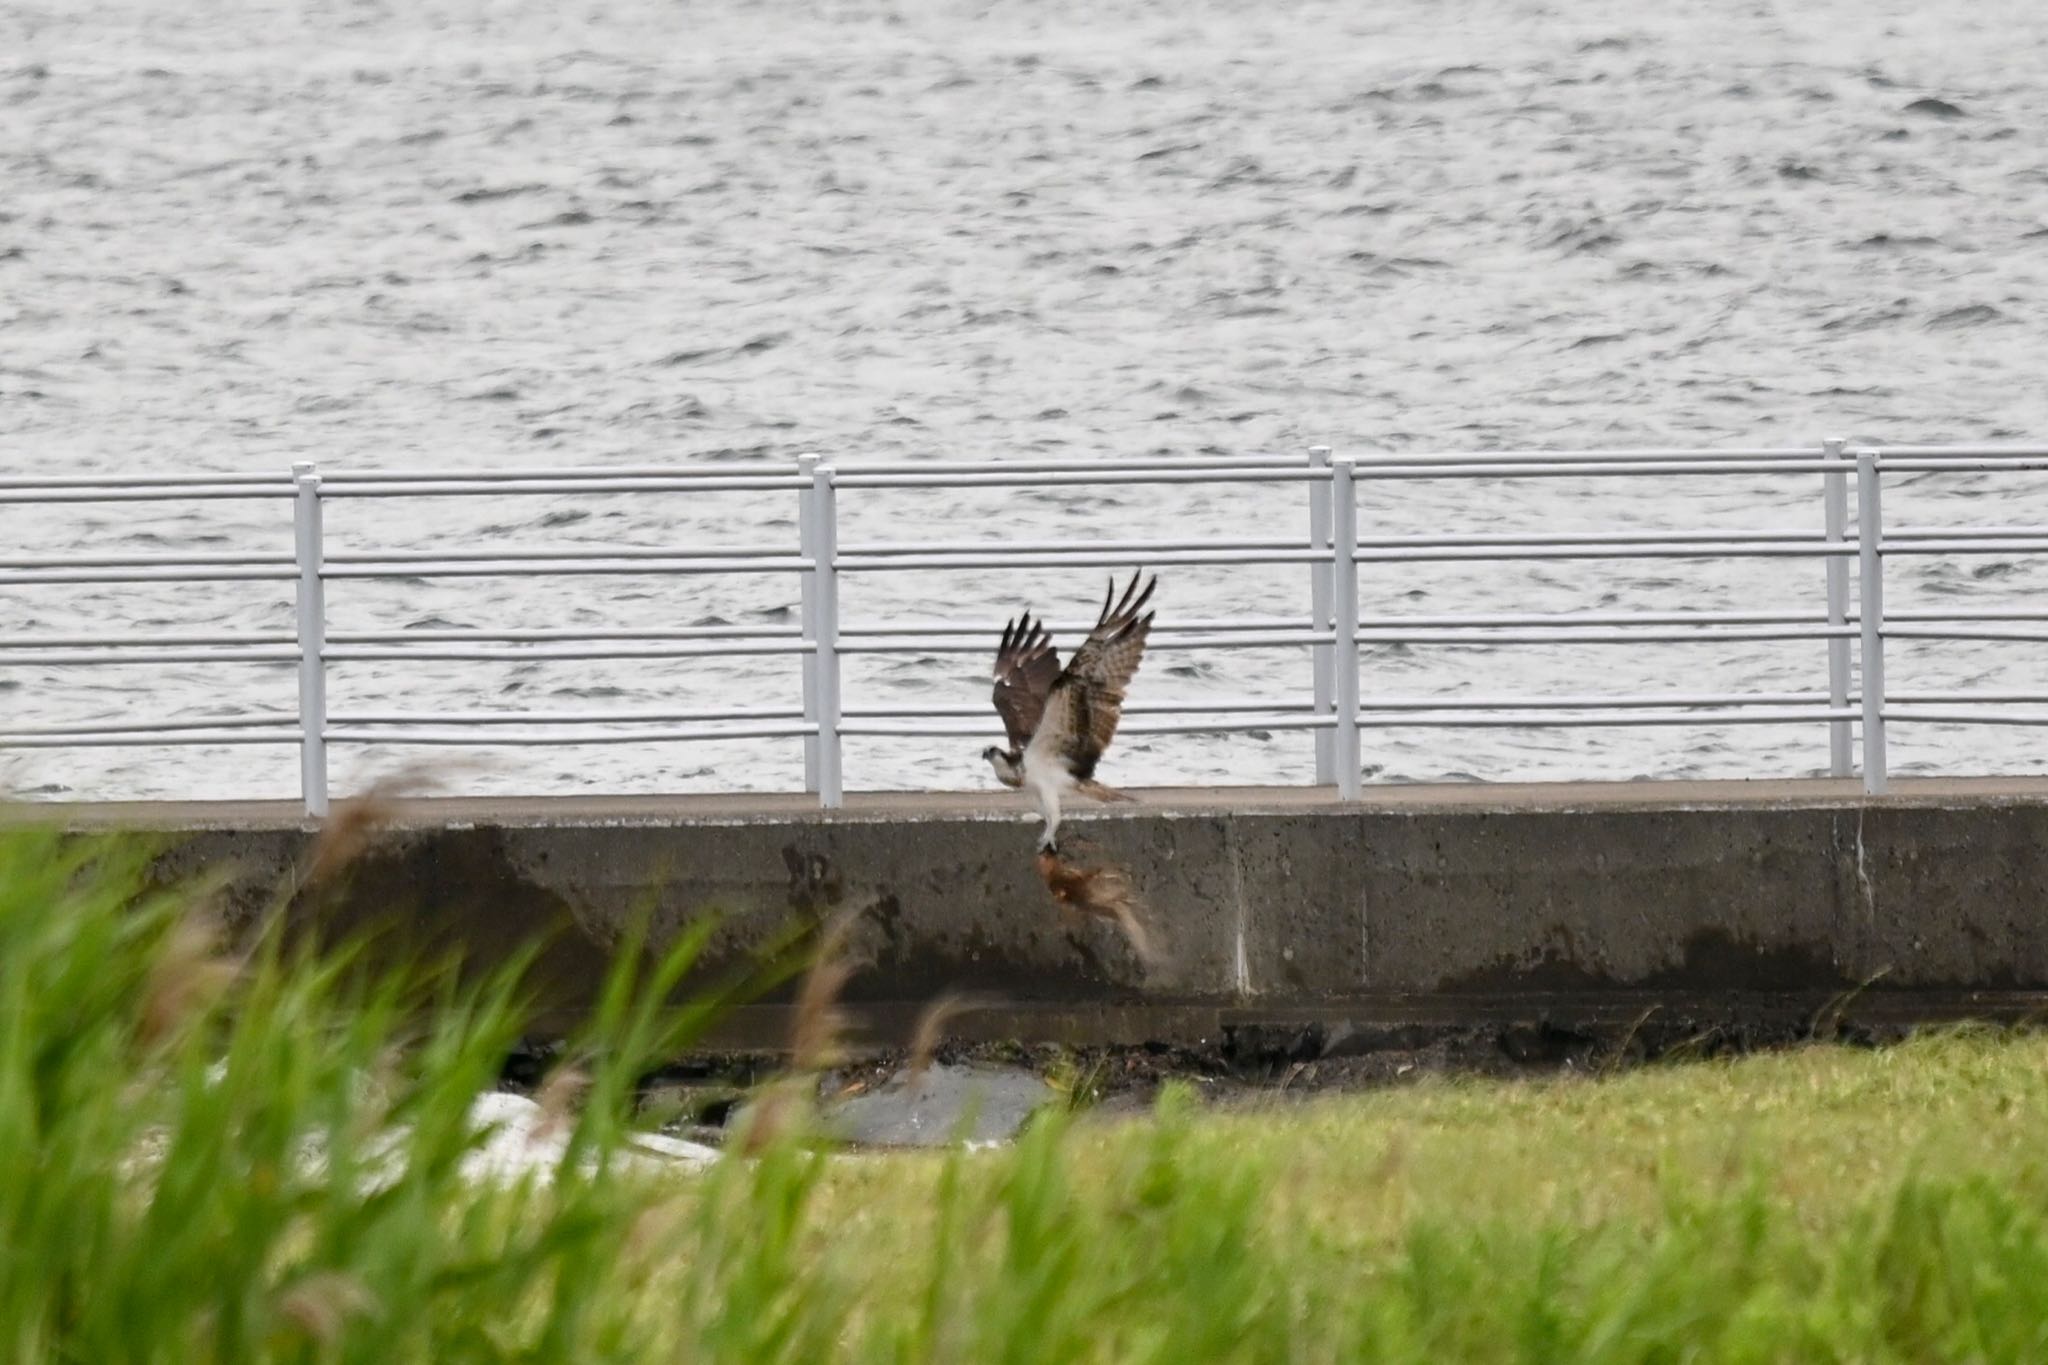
1560,904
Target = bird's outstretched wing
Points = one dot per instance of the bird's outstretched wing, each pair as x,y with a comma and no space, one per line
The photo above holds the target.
1026,667
1082,710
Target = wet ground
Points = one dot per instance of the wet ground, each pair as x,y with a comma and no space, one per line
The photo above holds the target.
986,1091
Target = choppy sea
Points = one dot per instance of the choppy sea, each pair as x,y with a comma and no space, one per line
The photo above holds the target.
459,234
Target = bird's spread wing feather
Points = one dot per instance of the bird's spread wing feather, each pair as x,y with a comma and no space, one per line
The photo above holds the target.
1026,667
1082,710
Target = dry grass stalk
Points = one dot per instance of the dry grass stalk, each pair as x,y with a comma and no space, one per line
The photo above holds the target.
321,1304
354,823
817,1025
783,1107
557,1097
188,975
656,1230
1100,890
931,1027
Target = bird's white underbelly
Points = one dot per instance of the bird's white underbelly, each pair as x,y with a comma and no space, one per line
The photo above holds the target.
1046,778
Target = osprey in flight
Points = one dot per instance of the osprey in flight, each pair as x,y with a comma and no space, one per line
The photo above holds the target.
1059,720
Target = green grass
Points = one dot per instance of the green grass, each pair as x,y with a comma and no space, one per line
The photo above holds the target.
1824,1204
194,1166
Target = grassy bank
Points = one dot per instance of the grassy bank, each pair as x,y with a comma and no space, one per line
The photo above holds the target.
256,1155
1824,1204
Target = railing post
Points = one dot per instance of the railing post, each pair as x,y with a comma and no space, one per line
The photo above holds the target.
1321,657
1870,612
1344,610
807,612
1835,494
308,535
825,606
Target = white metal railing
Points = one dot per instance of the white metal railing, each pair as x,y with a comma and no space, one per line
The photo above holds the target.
1853,705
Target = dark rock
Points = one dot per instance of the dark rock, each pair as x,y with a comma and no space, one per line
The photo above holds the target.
941,1105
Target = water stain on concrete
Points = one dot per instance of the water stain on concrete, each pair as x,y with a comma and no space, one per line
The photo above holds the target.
1710,959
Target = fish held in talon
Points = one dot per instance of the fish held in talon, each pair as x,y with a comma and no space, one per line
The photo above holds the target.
1098,891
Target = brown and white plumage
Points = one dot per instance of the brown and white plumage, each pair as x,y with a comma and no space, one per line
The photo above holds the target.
1060,720
1026,667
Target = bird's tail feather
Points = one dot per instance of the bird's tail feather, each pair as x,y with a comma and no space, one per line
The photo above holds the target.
1100,792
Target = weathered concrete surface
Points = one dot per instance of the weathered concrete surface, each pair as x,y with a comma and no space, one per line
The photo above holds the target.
1415,901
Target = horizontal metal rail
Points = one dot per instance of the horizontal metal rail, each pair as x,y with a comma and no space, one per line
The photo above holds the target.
1935,715
586,634
1461,702
1561,636
1594,469
1961,452
1342,642
974,639
536,654
747,469
1900,533
943,729
882,549
288,723
468,487
213,561
569,557
404,637
1108,475
1538,720
737,469
1071,559
282,485
522,738
1771,536
126,739
1184,706
230,575
1590,619
1524,550
1159,640
626,717
2034,546
1199,625
1967,464
1369,463
276,483
1963,633
596,565
1267,713
207,492
1912,698
1972,614
82,658
1082,466
172,640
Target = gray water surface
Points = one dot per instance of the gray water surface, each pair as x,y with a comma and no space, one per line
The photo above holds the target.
488,235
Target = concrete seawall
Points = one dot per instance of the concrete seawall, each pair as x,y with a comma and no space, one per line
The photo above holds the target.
1560,904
